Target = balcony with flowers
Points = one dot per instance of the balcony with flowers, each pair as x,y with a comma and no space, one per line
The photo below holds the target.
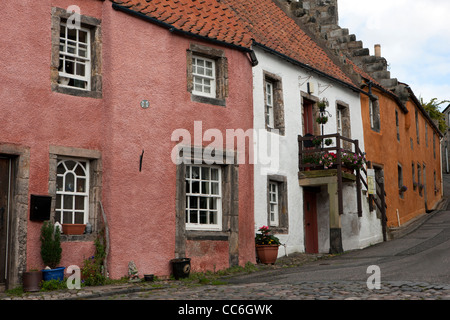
329,159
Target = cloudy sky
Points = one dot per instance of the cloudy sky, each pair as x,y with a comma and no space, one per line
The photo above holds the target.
414,37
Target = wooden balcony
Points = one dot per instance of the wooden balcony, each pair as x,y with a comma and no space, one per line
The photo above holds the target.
313,171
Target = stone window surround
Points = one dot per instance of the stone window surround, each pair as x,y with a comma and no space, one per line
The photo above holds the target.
374,113
221,65
230,204
345,122
283,216
277,100
95,192
94,25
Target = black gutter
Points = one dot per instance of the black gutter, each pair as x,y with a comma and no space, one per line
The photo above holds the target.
309,68
176,30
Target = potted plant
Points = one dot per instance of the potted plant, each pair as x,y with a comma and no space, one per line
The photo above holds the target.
322,119
352,161
317,142
328,160
51,252
311,159
32,280
328,142
266,246
322,104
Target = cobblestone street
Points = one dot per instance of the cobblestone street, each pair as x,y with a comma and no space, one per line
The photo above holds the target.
343,290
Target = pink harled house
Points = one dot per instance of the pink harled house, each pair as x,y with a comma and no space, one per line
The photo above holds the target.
112,116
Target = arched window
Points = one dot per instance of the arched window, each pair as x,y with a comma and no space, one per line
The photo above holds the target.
72,191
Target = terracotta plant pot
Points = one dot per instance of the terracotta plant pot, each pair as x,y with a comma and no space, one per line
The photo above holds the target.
32,281
267,254
73,228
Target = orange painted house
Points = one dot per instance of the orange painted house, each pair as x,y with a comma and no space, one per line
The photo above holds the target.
403,145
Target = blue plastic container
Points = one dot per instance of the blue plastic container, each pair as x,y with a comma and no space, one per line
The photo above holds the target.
53,274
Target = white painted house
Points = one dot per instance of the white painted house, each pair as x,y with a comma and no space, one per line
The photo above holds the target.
310,211
283,91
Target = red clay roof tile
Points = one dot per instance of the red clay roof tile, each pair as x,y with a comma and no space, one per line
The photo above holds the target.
271,27
208,18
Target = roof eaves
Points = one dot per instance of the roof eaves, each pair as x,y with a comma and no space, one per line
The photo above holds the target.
308,67
422,109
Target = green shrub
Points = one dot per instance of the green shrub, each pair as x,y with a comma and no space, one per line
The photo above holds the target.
50,245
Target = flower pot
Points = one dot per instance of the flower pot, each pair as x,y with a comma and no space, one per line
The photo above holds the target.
181,267
73,228
148,277
347,170
267,254
53,274
32,281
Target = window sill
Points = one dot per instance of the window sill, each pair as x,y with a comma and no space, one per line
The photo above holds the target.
279,131
206,235
208,100
279,230
76,92
78,237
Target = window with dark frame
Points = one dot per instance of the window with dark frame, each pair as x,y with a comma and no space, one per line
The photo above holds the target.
400,180
397,125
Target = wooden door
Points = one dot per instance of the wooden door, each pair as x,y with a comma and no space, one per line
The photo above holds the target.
5,181
310,219
308,117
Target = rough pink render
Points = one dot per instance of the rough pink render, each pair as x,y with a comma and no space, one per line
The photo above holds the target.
140,61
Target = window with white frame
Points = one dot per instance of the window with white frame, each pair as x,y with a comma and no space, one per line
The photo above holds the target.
270,116
72,191
204,76
273,103
339,120
273,203
374,113
74,57
203,197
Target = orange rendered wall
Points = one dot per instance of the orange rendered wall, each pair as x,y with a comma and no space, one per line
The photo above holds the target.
383,149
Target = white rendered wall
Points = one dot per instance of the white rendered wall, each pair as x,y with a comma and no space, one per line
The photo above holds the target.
357,232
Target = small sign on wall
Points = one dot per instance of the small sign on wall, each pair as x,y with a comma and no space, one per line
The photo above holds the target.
371,185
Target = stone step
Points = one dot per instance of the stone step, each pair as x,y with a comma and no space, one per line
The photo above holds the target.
376,66
338,33
388,83
381,74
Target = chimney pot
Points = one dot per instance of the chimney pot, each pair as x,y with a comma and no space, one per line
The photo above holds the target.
377,50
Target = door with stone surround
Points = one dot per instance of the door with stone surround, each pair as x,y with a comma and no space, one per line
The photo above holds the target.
310,221
5,191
